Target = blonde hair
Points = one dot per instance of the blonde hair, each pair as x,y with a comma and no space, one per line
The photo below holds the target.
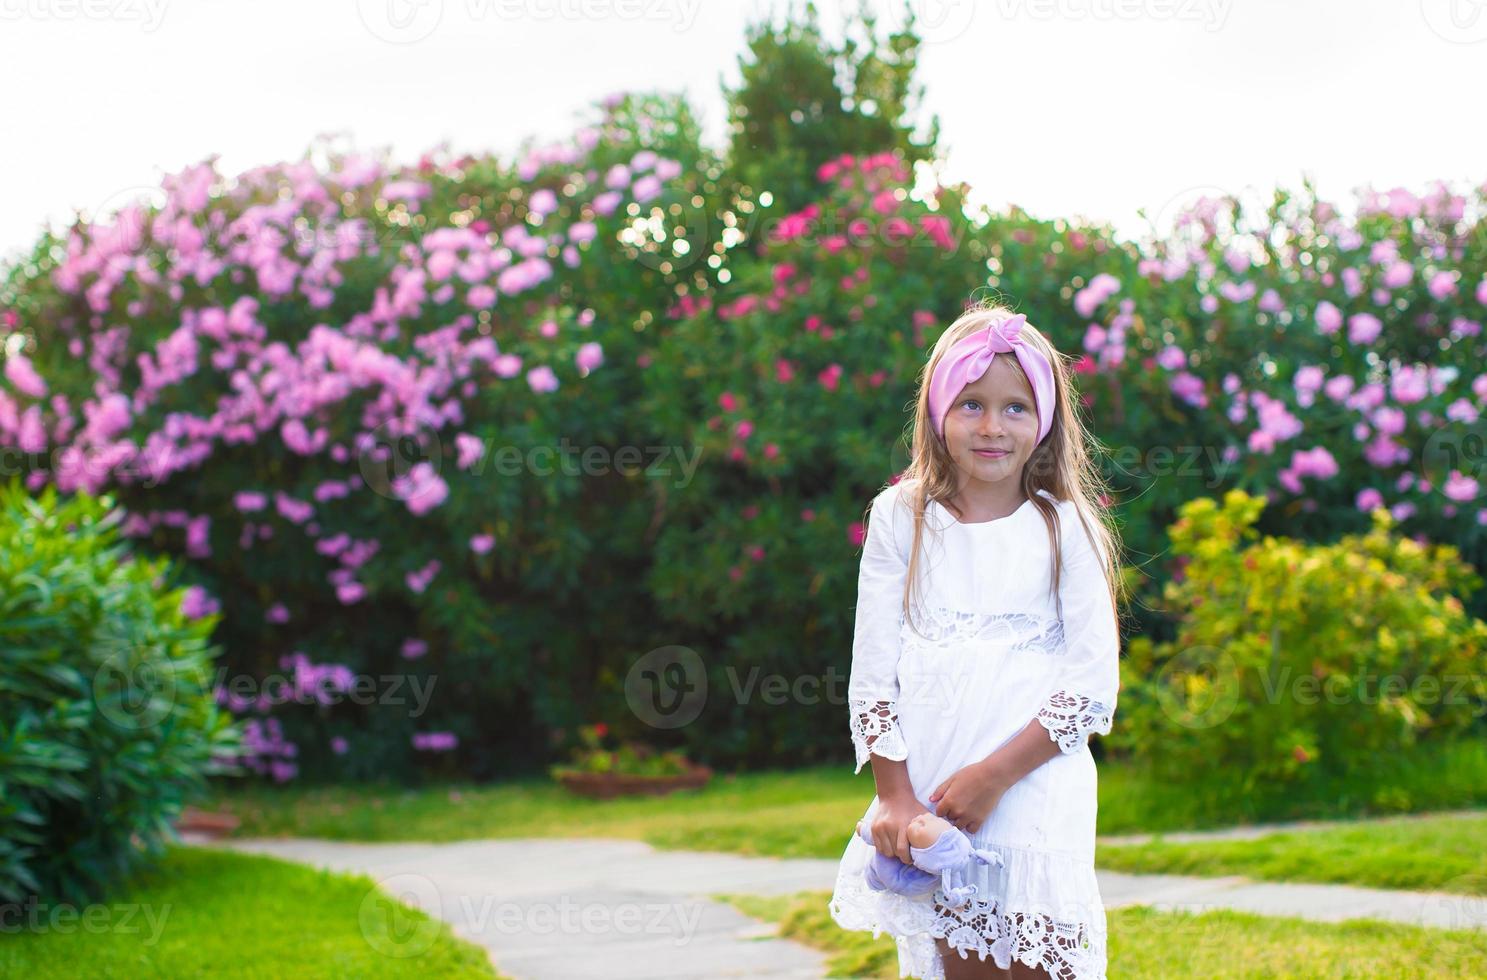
1060,464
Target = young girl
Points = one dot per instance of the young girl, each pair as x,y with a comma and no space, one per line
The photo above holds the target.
985,653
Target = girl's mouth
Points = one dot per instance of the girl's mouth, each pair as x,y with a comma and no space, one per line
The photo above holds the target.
990,453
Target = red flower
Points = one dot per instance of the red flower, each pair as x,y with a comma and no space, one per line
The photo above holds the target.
601,729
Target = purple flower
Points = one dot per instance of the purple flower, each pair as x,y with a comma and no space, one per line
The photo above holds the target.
435,741
197,603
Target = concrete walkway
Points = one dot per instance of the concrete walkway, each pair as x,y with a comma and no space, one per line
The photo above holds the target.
569,909
1257,830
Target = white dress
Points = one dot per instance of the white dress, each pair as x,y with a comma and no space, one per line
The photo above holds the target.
997,655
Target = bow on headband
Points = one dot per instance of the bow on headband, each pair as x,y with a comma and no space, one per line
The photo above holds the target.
971,356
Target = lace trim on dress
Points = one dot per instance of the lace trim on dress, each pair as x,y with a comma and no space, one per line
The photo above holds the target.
1043,925
1070,718
942,628
875,731
1064,950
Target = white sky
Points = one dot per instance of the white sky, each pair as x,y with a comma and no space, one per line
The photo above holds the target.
1089,107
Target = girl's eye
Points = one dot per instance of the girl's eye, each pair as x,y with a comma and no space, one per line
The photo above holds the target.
1019,405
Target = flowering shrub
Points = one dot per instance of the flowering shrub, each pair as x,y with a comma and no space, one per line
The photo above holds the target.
1292,661
310,380
1332,362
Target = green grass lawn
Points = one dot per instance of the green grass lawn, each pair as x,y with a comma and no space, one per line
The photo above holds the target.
1446,853
204,913
1149,943
810,813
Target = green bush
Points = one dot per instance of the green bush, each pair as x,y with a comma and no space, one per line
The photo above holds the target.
107,722
1296,663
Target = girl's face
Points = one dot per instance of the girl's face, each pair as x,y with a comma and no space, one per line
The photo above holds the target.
994,412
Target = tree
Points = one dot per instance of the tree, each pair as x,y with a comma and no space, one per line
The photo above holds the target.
803,101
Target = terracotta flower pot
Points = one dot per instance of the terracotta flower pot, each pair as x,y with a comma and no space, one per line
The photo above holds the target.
206,822
608,785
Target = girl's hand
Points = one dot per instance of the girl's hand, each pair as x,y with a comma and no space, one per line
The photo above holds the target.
967,798
890,826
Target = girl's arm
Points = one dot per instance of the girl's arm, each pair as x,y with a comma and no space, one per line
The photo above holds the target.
1081,698
872,689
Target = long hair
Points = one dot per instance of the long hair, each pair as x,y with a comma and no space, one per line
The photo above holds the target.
1060,464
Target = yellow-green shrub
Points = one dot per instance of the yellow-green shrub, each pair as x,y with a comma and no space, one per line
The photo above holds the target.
1293,661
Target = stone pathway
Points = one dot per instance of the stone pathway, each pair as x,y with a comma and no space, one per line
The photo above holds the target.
1256,830
573,909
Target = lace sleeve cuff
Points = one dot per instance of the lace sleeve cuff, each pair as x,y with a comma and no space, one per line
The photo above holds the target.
875,731
1070,718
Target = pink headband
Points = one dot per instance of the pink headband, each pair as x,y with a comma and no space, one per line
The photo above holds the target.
971,356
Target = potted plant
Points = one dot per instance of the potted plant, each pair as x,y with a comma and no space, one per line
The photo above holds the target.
630,768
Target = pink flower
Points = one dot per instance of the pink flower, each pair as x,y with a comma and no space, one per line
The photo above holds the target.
1409,384
1442,284
482,543
646,188
743,429
468,449
856,533
589,357
19,372
1100,288
1368,498
1329,318
543,201
338,745
248,501
350,593
1172,358
419,579
422,489
1363,328
728,402
414,648
542,379
295,511
1461,488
